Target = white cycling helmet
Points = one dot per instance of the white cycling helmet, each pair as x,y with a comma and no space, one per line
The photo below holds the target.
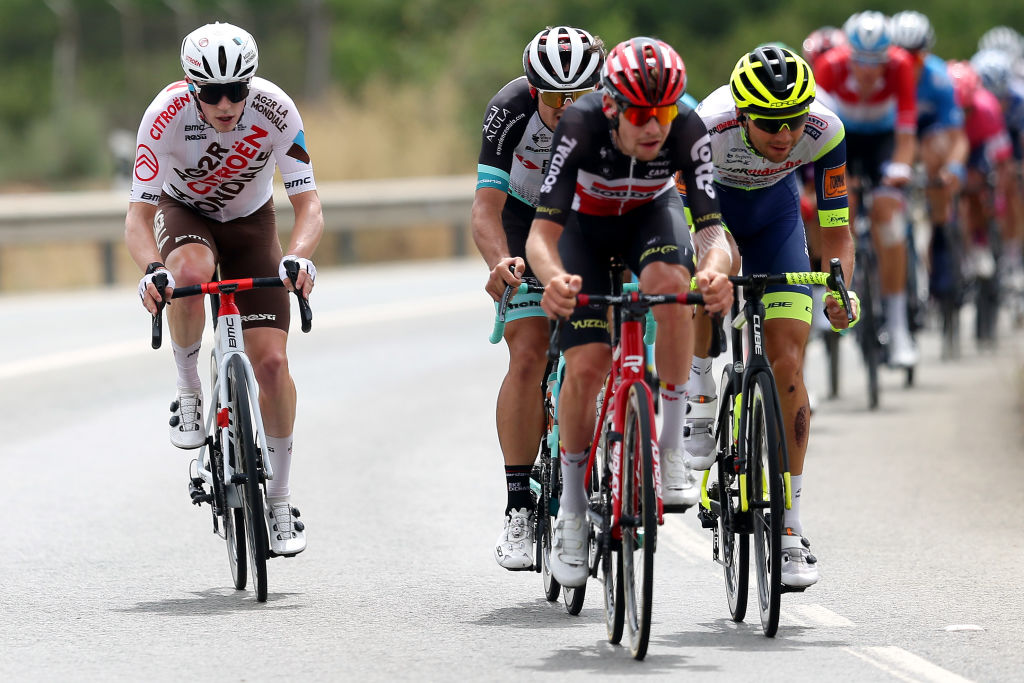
868,36
219,53
912,31
563,58
1004,39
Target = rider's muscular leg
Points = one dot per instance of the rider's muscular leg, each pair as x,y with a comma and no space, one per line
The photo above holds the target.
785,340
673,347
889,227
265,347
586,369
190,264
520,409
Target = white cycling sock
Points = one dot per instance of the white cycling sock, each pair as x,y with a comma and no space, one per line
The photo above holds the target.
896,312
279,453
792,518
574,469
187,361
700,383
673,408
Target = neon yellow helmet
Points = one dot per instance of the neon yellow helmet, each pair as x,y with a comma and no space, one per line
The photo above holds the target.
772,81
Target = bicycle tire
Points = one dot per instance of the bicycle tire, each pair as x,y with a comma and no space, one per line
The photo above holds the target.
868,327
639,520
832,349
573,598
765,497
544,516
607,549
230,519
247,475
734,545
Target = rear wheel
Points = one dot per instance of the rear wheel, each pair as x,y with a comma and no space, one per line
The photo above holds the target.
247,475
639,521
766,498
606,549
545,516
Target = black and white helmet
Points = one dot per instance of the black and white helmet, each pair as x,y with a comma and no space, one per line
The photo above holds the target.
563,58
995,69
1004,39
912,31
219,53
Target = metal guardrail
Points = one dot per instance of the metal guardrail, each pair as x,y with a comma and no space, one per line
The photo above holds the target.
348,206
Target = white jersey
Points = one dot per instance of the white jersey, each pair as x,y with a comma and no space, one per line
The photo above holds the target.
738,165
222,175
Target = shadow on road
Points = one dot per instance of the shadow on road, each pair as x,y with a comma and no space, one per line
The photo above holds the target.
212,601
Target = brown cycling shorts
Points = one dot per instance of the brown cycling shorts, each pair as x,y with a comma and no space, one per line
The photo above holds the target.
245,247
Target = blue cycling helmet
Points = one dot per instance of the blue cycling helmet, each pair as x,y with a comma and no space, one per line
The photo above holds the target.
868,35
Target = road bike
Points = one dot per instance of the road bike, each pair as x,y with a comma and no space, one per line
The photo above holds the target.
747,490
231,470
623,471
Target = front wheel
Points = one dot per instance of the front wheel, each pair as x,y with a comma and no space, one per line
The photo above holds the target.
639,520
247,475
733,541
766,498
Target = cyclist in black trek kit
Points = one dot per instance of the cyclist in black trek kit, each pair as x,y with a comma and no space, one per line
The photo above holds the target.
561,64
202,197
609,191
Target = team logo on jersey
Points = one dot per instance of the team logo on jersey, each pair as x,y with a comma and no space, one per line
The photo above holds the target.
298,148
834,182
146,164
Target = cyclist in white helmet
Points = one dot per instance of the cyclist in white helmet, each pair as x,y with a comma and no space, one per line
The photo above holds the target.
561,64
202,197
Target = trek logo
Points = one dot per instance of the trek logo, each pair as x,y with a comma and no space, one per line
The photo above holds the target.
633,364
557,160
700,154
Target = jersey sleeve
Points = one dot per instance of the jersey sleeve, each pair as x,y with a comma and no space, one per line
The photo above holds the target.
693,158
830,184
568,148
906,92
290,152
504,124
153,143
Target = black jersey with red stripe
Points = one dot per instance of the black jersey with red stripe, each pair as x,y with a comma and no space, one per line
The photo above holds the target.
587,173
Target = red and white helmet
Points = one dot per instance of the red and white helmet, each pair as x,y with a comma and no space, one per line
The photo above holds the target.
821,41
219,53
644,72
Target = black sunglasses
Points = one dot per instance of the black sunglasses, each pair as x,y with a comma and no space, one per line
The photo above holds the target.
773,126
211,93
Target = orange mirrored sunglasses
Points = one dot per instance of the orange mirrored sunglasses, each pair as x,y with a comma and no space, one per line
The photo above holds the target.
557,98
639,116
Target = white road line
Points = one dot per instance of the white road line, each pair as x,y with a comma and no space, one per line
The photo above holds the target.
449,303
905,665
814,615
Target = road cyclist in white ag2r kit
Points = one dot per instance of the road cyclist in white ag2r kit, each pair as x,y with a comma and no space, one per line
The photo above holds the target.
561,64
201,199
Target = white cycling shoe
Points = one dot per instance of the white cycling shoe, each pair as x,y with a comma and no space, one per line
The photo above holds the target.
678,482
799,566
902,351
514,548
287,534
568,558
186,421
699,431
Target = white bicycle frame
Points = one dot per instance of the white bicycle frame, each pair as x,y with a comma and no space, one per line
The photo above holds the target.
229,341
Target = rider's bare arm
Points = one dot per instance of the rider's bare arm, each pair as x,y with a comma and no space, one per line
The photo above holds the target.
309,227
489,236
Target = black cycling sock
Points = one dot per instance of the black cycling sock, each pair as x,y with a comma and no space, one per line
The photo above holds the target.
517,478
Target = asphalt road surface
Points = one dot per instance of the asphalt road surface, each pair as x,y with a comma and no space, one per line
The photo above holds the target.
110,574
